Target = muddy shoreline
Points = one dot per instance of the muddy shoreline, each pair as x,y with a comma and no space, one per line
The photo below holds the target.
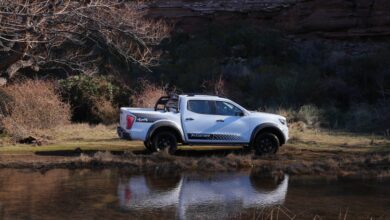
289,161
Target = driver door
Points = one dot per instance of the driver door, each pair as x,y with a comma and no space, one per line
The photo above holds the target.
232,126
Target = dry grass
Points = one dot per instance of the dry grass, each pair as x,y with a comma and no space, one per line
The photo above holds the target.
72,136
316,139
105,111
306,116
88,136
83,132
30,107
148,94
282,212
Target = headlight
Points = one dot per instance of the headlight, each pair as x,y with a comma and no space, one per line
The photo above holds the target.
282,121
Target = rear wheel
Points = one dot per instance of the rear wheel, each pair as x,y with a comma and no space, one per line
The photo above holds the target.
120,133
165,140
247,149
266,143
148,146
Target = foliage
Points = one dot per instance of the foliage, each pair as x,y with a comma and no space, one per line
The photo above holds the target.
336,84
324,82
92,98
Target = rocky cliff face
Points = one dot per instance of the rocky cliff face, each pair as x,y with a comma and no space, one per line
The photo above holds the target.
326,18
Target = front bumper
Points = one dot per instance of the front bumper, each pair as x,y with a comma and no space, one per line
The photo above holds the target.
123,134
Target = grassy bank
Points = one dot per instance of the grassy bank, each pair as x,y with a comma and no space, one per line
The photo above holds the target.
309,152
100,137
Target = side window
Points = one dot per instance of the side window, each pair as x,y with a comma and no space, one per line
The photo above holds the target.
200,106
225,108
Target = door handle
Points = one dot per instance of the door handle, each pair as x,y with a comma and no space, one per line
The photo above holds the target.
220,120
189,119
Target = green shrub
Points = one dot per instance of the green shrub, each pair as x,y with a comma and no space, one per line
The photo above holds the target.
86,94
360,117
333,117
369,118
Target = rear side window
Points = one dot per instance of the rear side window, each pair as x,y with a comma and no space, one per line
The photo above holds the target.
200,106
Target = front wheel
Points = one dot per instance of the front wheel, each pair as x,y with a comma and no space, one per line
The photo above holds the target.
266,143
165,140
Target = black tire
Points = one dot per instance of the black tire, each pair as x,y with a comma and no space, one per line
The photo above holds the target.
246,149
266,143
148,146
165,140
120,134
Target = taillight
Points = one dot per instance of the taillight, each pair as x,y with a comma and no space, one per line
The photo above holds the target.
130,121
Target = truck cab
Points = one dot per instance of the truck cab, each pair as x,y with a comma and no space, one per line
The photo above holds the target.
202,120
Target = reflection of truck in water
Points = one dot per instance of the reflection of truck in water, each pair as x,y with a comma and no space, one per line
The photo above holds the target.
202,196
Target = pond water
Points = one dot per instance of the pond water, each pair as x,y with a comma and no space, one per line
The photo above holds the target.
114,194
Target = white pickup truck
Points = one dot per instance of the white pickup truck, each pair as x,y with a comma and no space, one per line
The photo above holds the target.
202,120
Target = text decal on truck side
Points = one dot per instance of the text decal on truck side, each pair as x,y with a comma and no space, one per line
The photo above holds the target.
213,136
146,118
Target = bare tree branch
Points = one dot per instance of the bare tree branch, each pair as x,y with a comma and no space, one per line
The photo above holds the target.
76,33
